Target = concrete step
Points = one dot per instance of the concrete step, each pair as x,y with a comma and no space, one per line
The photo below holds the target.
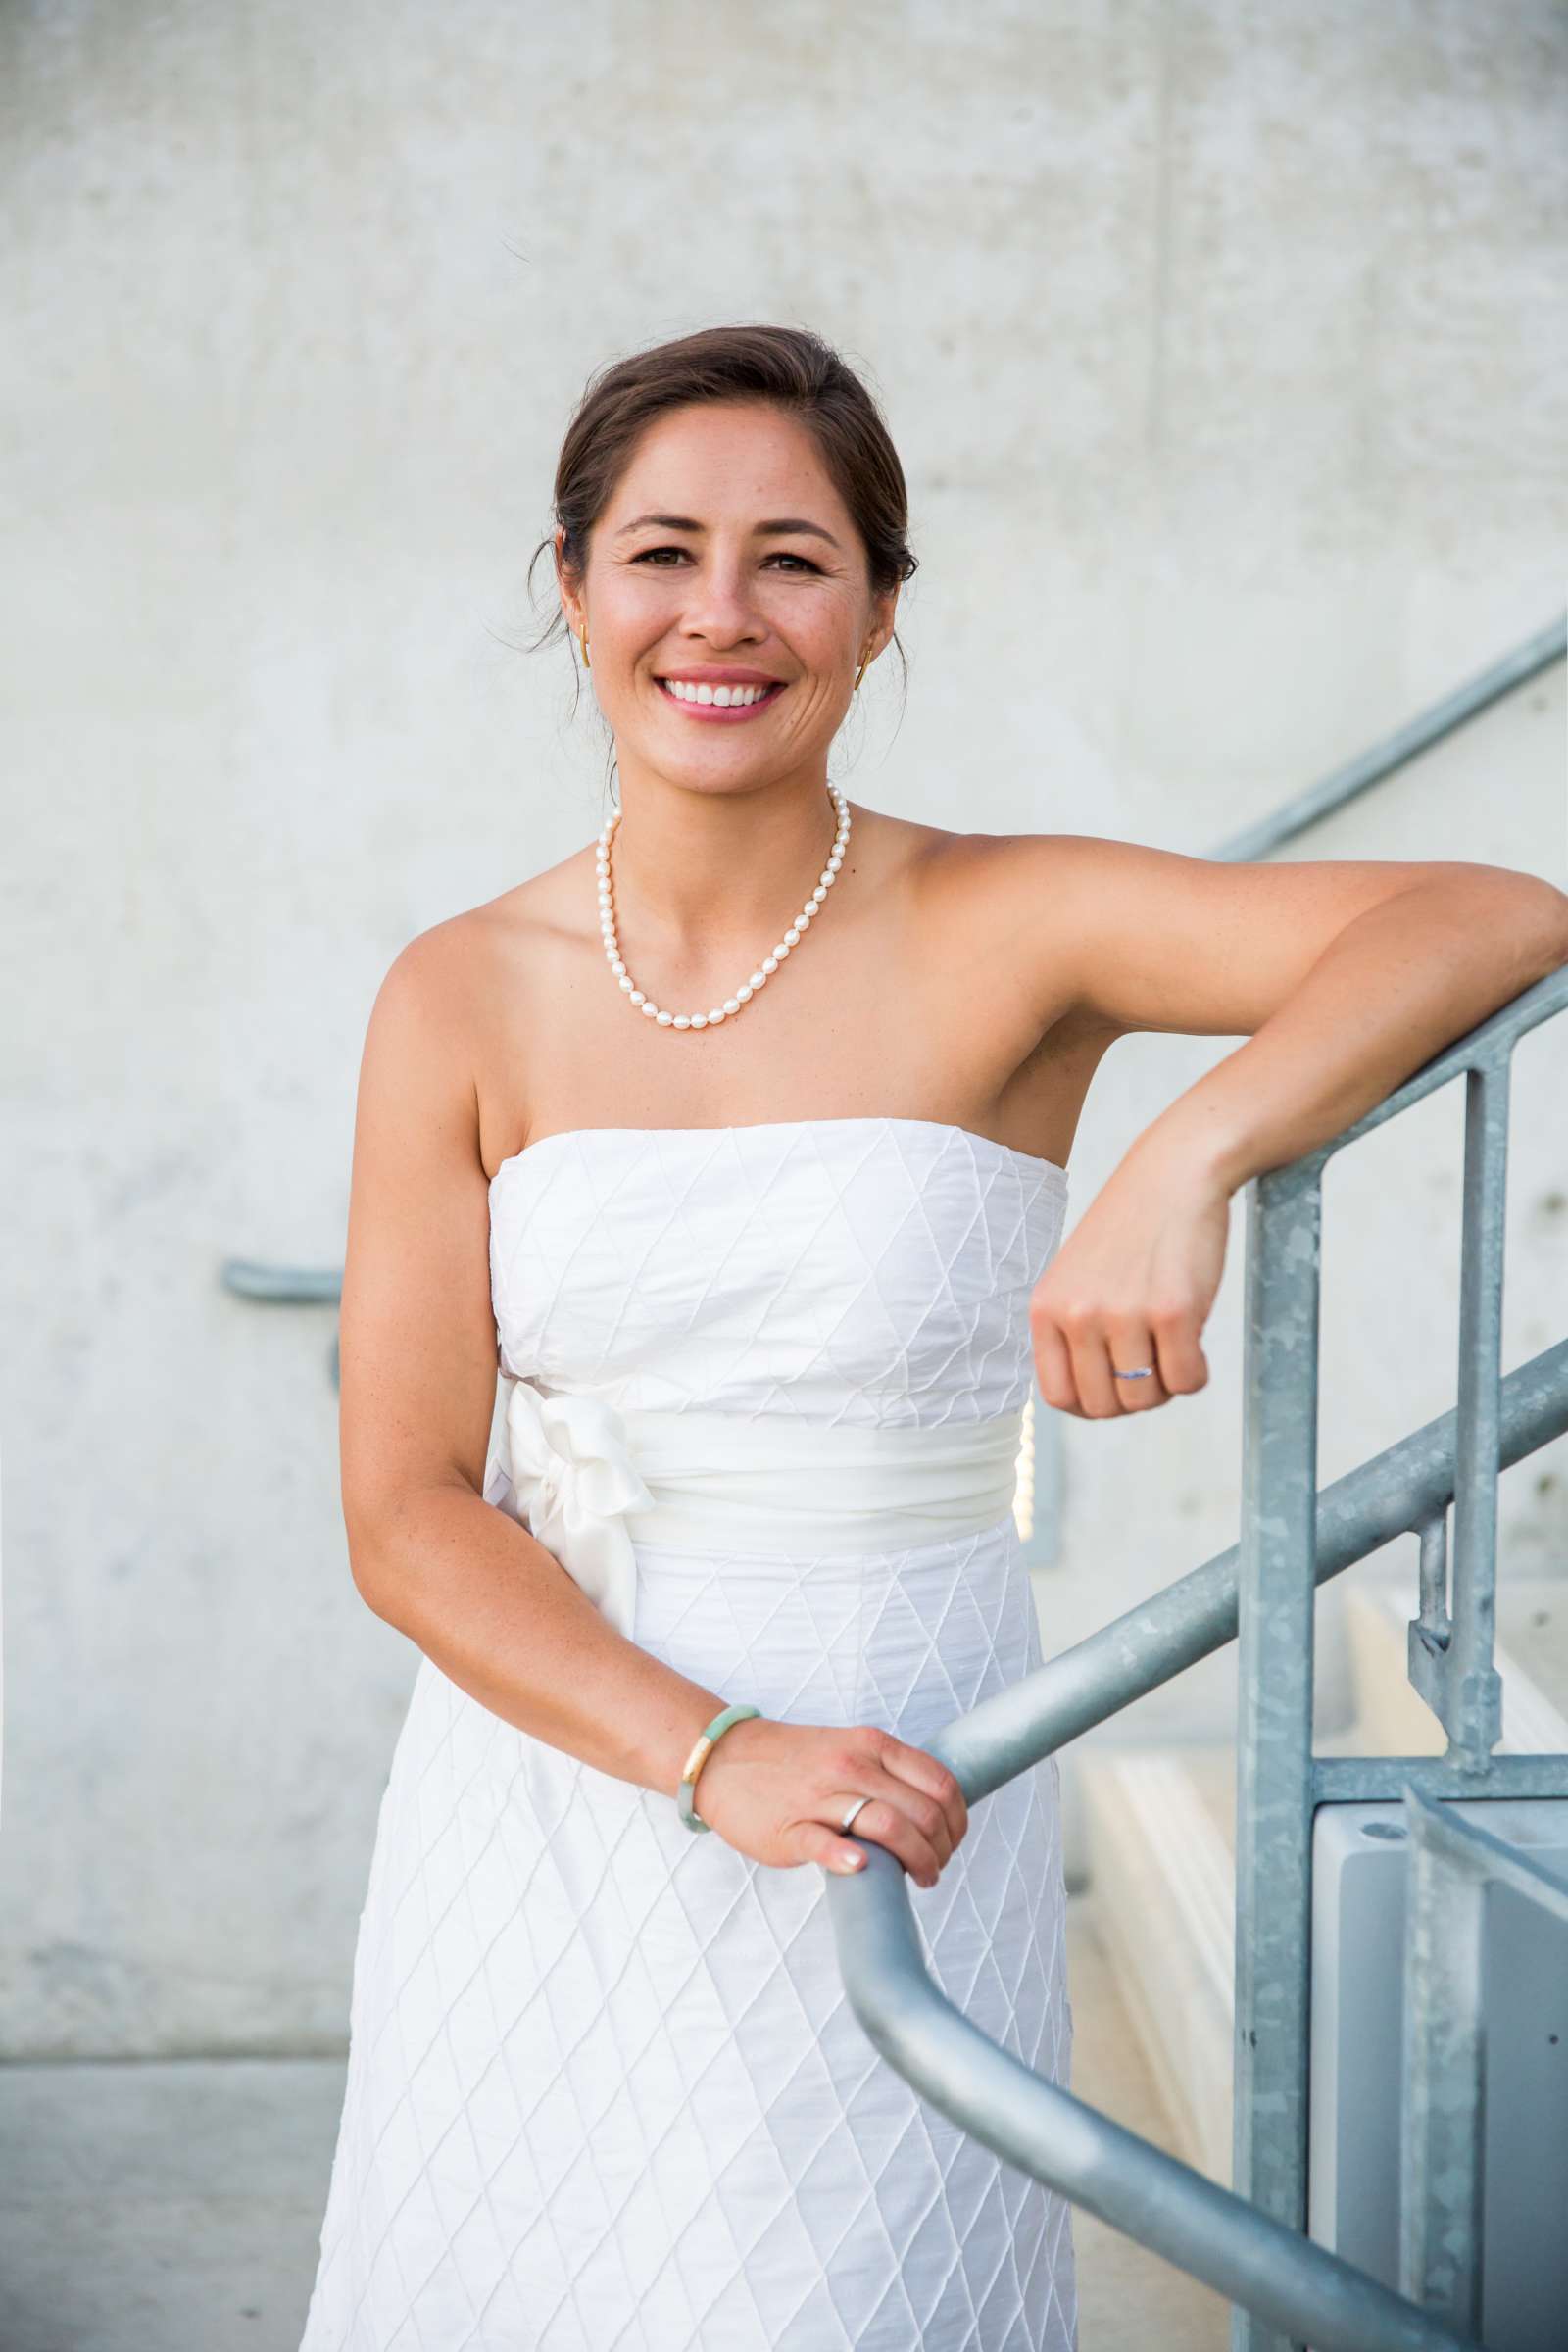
1531,1653
1162,1856
1129,2300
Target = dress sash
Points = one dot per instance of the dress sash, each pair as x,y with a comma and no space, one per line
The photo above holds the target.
592,1481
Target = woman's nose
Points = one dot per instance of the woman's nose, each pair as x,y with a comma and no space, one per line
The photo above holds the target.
720,603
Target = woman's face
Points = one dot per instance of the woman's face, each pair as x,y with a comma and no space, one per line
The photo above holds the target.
727,554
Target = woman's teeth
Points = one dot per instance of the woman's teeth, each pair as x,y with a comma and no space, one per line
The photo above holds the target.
724,696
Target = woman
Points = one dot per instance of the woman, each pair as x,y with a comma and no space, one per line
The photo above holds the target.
763,1237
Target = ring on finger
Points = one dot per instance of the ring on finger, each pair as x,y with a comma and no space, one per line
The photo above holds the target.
1139,1362
853,1810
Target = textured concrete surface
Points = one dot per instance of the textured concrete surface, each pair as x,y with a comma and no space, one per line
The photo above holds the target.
167,2206
1224,350
174,2207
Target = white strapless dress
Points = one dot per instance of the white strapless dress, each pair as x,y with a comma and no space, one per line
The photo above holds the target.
605,2089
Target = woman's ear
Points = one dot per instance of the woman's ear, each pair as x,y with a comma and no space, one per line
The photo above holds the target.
884,611
570,603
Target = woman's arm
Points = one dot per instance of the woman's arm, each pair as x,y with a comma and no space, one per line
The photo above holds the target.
468,1584
1343,976
1373,971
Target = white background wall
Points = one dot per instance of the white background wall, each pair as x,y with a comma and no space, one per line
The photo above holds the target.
1224,347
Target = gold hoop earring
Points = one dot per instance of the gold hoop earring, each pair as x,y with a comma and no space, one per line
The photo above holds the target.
860,672
587,664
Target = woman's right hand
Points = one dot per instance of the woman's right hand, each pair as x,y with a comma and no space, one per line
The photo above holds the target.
778,1792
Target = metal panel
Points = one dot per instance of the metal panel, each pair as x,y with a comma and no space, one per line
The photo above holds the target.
1454,1862
1361,1858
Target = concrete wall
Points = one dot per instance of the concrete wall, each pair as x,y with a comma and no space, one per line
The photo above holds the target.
1224,346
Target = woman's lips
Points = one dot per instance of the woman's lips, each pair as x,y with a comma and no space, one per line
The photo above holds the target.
721,714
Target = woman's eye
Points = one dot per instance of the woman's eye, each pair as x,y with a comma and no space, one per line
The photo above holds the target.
782,555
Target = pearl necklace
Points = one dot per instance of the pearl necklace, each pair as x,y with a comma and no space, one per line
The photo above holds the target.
769,963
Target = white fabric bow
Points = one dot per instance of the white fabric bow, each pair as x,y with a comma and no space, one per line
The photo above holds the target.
564,1471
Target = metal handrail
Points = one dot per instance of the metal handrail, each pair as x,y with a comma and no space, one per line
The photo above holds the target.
1250,2242
283,1286
1395,751
289,1285
1164,2204
1160,1638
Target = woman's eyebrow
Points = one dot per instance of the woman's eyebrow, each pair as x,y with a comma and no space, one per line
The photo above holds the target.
684,522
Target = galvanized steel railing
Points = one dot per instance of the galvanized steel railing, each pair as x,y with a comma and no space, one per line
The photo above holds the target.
1248,2241
1374,767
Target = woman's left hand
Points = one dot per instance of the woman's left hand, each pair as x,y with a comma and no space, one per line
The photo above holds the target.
1132,1285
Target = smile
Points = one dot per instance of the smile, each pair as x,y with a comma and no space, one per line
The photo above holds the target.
722,703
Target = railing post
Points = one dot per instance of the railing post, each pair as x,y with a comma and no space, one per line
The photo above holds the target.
1277,1577
1473,1716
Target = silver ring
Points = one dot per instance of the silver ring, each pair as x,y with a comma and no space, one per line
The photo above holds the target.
854,1809
1143,1372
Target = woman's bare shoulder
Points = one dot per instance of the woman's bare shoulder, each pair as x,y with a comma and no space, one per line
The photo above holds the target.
956,856
461,958
460,1008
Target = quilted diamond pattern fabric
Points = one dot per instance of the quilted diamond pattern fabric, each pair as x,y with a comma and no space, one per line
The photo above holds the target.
605,2089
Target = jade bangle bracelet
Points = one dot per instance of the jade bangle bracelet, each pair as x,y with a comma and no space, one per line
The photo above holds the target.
702,1749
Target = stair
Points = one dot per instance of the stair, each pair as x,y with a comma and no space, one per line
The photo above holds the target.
1129,2300
1162,1856
1160,1831
1531,1655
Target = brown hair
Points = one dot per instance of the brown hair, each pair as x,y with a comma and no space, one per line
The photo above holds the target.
787,365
